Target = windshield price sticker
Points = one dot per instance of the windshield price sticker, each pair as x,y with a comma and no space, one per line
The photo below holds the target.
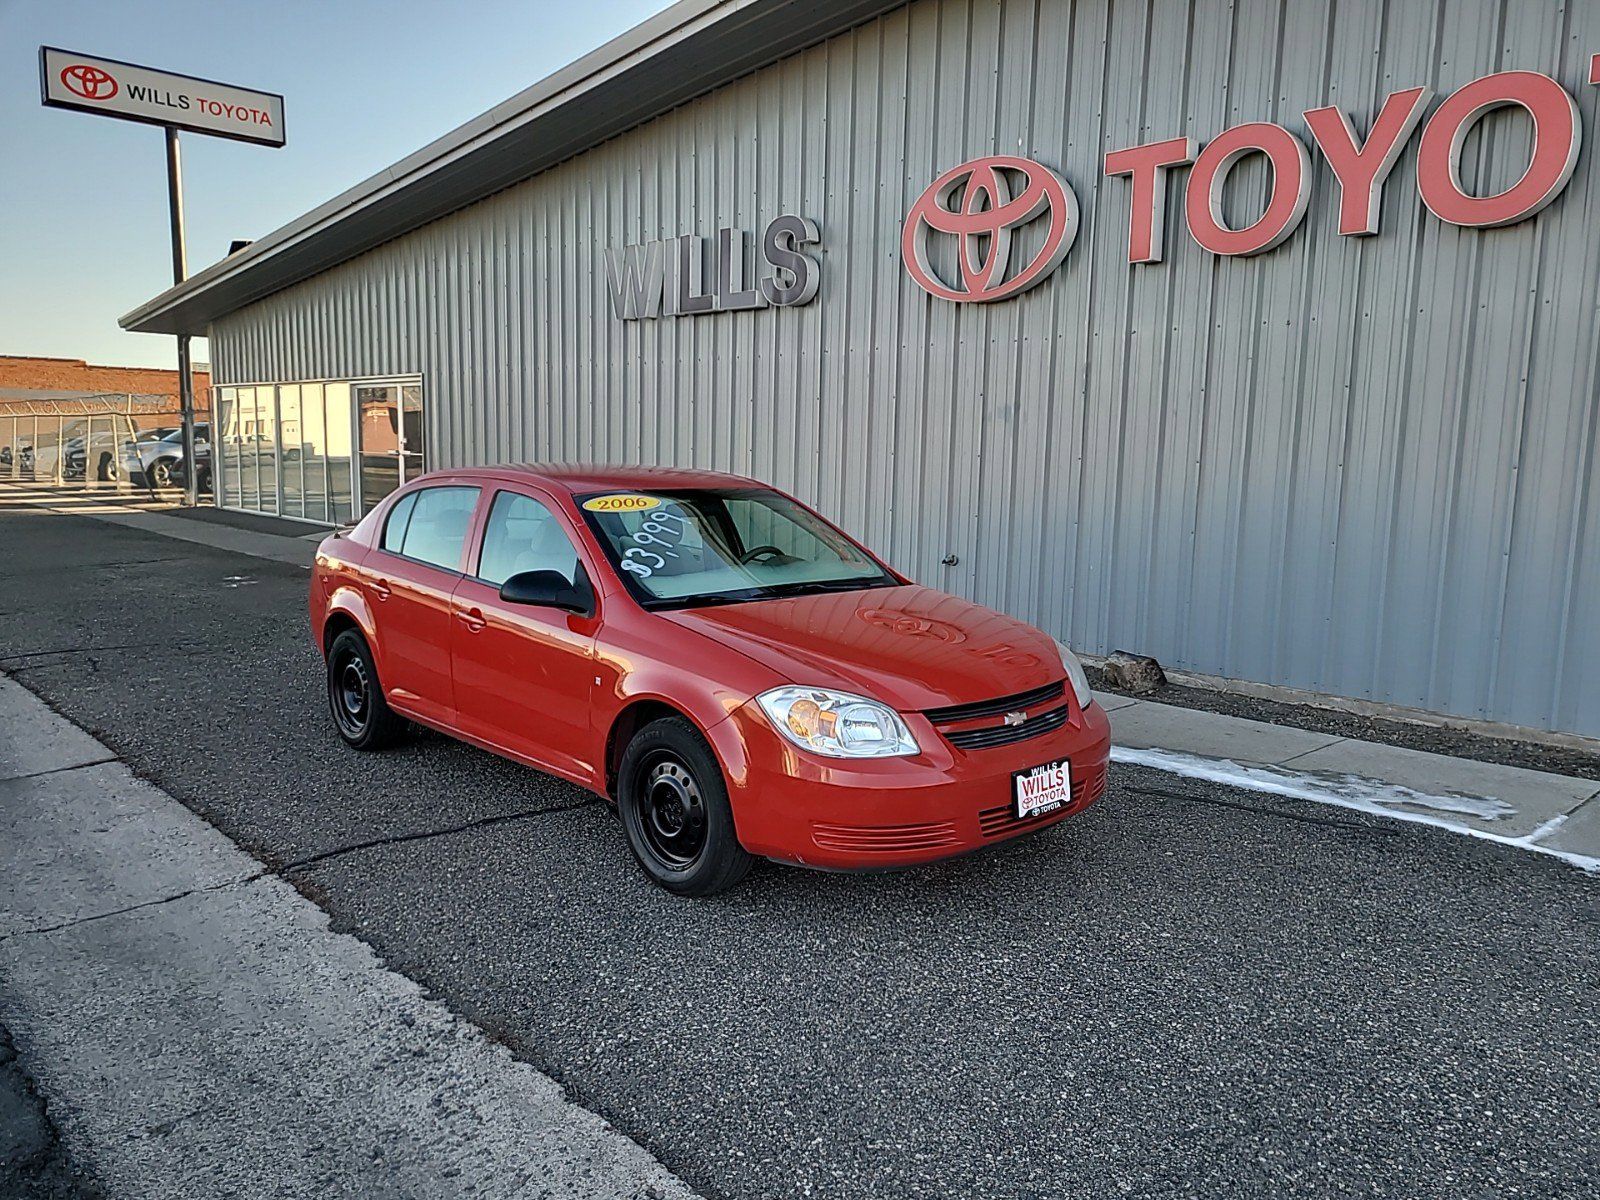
622,503
655,541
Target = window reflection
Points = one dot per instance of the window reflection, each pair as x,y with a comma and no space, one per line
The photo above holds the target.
313,452
340,465
291,456
267,446
293,448
224,479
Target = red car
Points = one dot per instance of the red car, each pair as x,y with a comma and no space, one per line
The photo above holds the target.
741,678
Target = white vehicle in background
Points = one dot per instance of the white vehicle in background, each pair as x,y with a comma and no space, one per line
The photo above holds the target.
160,461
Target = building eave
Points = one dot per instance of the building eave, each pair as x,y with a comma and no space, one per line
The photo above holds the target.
684,52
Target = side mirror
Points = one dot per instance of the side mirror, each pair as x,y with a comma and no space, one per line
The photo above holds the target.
547,589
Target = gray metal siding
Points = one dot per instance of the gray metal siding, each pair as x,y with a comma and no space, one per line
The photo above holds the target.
1357,466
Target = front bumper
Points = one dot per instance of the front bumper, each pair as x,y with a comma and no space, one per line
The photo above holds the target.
864,813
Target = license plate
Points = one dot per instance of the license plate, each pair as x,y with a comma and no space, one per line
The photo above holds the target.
1040,790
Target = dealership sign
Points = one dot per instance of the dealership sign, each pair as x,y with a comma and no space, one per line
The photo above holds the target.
985,203
118,89
975,202
668,278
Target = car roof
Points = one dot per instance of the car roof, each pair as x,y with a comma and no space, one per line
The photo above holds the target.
598,477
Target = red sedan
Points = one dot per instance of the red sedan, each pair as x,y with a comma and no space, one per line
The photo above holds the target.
738,676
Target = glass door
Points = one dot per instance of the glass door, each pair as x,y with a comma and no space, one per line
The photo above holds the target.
389,420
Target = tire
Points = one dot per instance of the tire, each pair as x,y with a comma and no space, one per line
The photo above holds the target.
161,473
107,472
360,713
674,807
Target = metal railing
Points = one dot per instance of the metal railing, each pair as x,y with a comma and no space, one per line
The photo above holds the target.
79,441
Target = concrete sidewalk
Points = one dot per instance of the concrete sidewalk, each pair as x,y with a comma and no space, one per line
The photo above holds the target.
1531,810
196,1028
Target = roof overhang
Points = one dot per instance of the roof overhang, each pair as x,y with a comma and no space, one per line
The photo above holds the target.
683,52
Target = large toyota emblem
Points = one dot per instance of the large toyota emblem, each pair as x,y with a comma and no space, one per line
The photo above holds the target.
89,82
983,203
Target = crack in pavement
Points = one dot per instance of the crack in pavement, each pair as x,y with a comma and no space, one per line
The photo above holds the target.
78,650
279,872
131,908
97,762
402,838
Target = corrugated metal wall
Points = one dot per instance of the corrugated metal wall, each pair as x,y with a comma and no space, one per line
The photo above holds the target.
1358,466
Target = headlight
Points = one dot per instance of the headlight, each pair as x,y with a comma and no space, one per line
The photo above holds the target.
836,723
1080,681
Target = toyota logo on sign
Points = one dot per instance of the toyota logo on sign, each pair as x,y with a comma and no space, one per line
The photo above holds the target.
89,82
983,204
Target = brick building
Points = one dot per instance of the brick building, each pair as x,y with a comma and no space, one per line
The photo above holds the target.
150,395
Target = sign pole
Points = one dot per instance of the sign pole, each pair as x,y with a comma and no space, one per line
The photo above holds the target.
180,272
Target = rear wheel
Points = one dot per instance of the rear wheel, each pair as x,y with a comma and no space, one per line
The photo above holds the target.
674,808
161,473
360,713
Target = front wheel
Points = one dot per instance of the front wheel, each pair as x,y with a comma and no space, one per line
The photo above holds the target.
161,473
674,808
360,713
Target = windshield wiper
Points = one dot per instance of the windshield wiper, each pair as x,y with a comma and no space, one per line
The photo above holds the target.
810,587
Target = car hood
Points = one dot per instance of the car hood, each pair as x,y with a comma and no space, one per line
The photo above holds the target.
912,647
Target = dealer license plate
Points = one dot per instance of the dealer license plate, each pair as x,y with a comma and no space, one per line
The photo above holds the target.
1041,790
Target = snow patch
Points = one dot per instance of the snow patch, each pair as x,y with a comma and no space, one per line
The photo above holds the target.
1356,792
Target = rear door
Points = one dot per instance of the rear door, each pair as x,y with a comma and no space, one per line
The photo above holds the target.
409,580
524,675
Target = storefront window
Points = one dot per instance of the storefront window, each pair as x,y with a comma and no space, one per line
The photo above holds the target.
291,452
313,451
267,457
340,458
224,476
241,450
295,449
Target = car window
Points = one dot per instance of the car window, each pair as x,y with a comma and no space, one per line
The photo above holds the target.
523,535
437,528
394,529
708,546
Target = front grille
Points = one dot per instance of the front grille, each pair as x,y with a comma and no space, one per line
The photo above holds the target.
884,839
1002,821
1004,735
993,708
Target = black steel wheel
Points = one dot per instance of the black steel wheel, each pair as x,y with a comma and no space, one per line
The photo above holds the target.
360,712
674,808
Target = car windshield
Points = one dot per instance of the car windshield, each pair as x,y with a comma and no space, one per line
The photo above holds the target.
678,549
175,436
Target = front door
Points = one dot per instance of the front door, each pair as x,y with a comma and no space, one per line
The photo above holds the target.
389,417
410,581
524,674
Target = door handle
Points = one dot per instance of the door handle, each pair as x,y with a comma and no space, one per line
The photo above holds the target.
381,589
473,619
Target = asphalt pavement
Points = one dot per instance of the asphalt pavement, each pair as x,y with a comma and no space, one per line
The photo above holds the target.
1187,991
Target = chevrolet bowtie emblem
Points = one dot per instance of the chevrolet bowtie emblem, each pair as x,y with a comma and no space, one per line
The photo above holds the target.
1015,718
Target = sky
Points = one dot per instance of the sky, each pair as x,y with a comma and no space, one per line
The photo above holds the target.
83,201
